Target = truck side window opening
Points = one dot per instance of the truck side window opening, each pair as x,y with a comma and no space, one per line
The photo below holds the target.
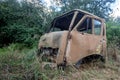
86,26
97,27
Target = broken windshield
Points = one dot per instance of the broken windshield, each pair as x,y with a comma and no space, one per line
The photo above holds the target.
63,22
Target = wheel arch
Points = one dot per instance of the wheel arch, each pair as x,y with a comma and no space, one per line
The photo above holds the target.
90,58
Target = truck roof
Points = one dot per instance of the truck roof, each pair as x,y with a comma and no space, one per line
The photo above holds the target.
63,21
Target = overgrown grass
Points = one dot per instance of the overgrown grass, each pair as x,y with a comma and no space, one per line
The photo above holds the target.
17,63
20,63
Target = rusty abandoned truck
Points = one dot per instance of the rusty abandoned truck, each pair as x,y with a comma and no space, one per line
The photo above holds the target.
74,37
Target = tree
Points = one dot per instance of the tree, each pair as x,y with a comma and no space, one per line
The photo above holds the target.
100,8
20,22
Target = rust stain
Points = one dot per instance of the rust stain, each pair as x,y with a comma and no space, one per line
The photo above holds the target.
79,45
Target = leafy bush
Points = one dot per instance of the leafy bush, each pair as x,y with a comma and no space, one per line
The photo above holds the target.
113,33
20,22
18,34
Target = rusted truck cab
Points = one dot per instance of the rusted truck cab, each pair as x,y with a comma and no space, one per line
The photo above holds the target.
72,37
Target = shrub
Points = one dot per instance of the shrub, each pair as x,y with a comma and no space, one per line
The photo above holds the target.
20,22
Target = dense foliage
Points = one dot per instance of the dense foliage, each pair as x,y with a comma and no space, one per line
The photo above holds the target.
113,32
20,22
24,22
100,8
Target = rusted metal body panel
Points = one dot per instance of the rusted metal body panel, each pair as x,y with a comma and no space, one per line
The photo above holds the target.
73,45
79,46
52,39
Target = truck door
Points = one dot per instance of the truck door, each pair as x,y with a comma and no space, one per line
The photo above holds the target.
85,40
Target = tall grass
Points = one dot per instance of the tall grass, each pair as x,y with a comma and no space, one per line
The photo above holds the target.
20,63
17,64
